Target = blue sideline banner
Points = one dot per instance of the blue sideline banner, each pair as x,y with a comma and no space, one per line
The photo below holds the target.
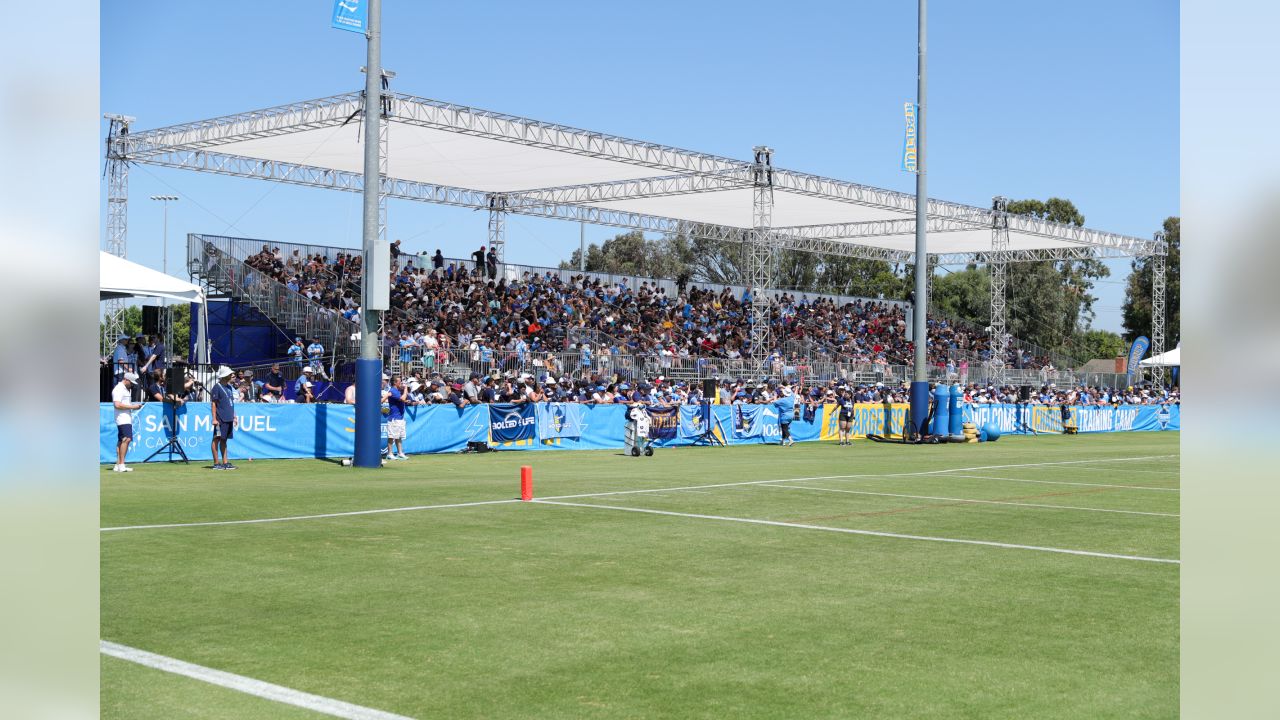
265,430
558,420
663,422
512,422
350,15
694,420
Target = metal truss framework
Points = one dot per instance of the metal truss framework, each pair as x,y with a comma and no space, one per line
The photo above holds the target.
762,258
999,268
117,172
194,146
1158,270
498,226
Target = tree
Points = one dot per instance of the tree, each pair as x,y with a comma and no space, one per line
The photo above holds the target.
1050,302
1095,344
1136,311
963,296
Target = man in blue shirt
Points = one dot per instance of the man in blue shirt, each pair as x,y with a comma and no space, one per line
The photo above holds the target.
296,351
222,402
315,352
396,431
121,360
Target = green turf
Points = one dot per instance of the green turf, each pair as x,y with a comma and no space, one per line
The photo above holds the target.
542,611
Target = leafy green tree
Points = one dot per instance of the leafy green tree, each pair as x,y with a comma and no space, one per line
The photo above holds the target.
1136,311
1096,344
133,327
964,295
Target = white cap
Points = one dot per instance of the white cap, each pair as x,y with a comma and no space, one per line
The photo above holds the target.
224,371
131,377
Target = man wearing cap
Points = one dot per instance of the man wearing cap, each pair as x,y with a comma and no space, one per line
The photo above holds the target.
393,396
121,396
121,360
296,351
222,403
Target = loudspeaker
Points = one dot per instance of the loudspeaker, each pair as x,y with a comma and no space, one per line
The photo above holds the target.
106,381
150,319
708,388
1024,393
176,379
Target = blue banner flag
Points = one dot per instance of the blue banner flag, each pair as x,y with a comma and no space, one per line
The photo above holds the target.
1136,351
350,15
695,420
663,422
511,422
559,420
909,153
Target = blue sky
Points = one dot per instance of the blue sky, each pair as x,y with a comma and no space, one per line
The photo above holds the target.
1028,100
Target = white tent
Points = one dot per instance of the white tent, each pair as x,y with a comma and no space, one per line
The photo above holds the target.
1169,359
119,278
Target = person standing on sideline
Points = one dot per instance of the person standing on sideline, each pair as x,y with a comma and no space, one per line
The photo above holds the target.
120,398
394,397
222,402
786,407
845,417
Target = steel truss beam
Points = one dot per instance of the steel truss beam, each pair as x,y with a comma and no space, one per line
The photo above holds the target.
873,228
664,186
1158,270
998,270
498,226
1075,252
117,220
762,260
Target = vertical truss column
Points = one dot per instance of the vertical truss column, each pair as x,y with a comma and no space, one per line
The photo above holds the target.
1158,270
384,128
761,259
117,219
998,266
498,226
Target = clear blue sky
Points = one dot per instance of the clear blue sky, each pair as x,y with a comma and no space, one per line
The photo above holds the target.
1028,100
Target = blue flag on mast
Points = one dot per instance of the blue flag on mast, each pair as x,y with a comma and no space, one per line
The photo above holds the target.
350,15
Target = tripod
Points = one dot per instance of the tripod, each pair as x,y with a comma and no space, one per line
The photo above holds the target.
172,445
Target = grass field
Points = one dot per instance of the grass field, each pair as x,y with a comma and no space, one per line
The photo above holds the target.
585,607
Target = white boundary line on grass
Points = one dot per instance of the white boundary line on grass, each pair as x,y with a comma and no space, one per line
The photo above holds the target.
1065,482
307,517
970,500
246,685
927,473
853,531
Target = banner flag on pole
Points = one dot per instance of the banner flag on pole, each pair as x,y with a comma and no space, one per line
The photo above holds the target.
909,155
350,15
1136,351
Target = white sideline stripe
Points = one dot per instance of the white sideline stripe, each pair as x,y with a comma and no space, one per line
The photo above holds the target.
1065,482
1129,470
616,492
307,517
875,533
969,500
246,685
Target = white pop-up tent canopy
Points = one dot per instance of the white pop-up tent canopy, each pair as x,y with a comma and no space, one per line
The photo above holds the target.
1169,359
119,278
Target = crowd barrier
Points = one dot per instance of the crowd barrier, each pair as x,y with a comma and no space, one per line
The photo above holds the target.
265,430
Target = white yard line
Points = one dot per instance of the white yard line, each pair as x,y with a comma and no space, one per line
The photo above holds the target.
633,492
852,531
246,685
969,500
1064,482
308,517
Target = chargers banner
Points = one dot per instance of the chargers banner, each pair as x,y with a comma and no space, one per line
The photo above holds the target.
512,422
264,430
663,422
909,153
350,15
695,420
1136,351
558,420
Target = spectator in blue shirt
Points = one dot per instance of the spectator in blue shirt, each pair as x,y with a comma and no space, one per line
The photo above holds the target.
121,360
222,402
315,354
394,397
297,351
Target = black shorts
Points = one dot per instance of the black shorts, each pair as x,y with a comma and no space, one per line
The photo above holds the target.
224,430
846,418
124,431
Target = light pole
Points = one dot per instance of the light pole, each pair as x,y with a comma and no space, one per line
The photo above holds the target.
164,303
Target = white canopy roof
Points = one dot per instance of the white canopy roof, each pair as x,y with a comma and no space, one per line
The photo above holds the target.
1173,358
451,154
119,278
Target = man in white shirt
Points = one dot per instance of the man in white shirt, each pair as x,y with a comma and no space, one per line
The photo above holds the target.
120,398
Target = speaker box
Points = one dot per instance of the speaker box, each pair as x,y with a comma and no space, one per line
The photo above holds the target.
175,380
1024,393
106,381
150,319
708,389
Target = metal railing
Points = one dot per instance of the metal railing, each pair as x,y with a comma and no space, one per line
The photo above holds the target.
210,259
